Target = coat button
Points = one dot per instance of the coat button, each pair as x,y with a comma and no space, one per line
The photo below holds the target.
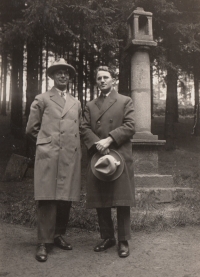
62,132
75,120
98,122
111,120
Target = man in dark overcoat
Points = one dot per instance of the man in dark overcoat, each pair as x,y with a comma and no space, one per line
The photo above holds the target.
53,123
108,123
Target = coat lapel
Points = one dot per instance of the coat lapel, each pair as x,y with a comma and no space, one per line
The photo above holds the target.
55,97
108,102
70,102
99,101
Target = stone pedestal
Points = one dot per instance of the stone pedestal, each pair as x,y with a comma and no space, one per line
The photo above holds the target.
145,155
147,177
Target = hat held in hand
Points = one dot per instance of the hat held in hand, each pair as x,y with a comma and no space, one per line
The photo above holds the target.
107,167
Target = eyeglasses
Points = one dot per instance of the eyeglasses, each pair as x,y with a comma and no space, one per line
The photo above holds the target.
60,73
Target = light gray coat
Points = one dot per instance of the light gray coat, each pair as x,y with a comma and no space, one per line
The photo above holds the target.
55,126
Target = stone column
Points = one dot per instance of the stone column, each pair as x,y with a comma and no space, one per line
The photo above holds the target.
141,93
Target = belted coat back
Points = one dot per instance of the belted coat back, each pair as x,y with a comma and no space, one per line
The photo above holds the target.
54,124
113,117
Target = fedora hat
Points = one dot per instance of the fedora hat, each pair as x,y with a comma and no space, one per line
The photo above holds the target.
60,64
107,167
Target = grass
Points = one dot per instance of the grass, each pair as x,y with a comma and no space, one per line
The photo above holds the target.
18,206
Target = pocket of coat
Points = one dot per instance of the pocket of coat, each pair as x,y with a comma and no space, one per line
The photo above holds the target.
43,140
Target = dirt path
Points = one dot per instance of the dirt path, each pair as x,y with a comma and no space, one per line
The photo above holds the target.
158,254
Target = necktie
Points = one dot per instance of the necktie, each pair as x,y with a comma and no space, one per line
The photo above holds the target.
62,94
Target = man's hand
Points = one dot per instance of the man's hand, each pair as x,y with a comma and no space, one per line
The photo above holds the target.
103,144
105,152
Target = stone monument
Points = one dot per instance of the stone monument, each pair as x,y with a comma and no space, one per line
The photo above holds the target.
145,144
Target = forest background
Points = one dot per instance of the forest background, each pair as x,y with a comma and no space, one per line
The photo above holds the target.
34,33
90,33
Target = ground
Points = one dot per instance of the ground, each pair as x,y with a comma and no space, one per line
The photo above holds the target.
173,252
158,247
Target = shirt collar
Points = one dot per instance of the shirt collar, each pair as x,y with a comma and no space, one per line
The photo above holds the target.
59,91
106,94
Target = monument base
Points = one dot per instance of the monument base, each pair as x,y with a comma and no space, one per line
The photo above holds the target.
145,137
147,177
158,185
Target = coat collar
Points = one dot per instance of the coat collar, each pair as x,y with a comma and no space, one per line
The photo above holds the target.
55,97
108,102
70,102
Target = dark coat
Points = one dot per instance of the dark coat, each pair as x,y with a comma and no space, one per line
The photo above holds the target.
115,117
55,126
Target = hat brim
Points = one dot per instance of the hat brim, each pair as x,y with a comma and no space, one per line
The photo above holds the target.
102,176
56,67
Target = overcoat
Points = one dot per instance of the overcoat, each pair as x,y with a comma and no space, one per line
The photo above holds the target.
114,117
55,124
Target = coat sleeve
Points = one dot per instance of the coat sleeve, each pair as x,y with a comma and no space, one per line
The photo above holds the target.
89,137
127,129
35,118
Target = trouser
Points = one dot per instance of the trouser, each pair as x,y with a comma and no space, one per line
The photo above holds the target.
52,219
106,223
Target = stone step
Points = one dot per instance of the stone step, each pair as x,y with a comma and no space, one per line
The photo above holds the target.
166,211
162,195
160,216
153,180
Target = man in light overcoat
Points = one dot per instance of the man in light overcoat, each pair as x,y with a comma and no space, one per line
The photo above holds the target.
53,123
108,123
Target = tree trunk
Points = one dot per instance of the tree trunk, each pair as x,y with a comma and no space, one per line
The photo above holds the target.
158,93
196,127
74,54
5,64
176,116
80,73
17,92
151,84
47,57
170,108
32,75
91,75
85,81
124,62
40,67
10,95
1,85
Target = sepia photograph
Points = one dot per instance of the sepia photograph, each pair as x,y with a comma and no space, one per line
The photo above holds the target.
100,138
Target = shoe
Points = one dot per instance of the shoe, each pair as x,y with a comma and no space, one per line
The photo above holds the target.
41,252
123,249
105,244
61,243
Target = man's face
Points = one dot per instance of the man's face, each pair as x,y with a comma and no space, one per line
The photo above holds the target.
61,78
104,81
